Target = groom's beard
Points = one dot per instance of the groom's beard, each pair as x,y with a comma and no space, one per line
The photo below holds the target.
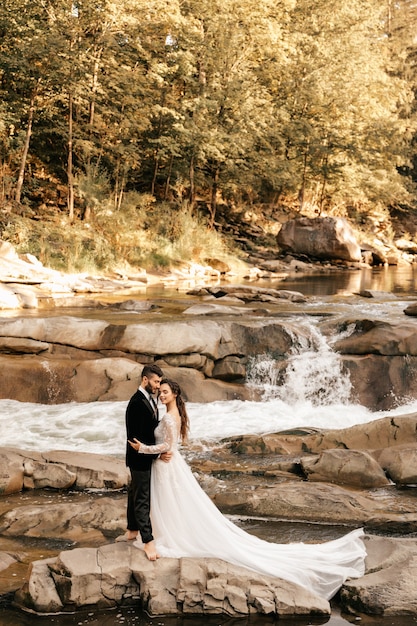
151,392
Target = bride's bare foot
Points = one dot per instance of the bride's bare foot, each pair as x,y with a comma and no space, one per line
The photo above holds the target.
150,551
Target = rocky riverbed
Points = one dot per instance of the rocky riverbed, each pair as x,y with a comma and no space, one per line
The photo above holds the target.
363,476
60,509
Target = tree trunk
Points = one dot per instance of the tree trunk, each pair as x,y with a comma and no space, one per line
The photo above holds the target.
301,193
69,169
25,152
192,183
122,186
168,180
94,87
155,174
213,199
323,187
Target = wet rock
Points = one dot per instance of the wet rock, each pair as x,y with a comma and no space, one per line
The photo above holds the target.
374,435
379,381
381,295
21,345
6,560
218,264
194,361
230,368
77,365
400,463
93,471
11,472
48,475
60,469
390,584
320,237
345,467
374,336
292,296
84,521
411,309
406,245
215,309
315,502
40,593
8,298
137,306
116,574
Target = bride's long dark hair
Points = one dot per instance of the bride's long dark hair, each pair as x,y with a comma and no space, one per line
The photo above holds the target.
176,390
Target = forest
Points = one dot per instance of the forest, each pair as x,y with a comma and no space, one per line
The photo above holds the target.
133,115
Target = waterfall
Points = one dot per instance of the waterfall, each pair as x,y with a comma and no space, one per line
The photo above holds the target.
53,389
312,372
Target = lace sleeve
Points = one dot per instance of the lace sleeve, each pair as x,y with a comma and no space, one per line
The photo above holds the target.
167,431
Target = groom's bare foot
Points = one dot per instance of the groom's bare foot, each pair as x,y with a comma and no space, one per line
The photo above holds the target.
150,551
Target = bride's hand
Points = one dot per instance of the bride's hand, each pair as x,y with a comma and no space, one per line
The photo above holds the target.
135,445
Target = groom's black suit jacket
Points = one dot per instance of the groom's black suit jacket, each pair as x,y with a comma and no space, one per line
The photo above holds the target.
141,422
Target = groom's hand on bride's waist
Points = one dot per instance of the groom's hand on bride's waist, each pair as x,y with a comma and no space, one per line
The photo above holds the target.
166,456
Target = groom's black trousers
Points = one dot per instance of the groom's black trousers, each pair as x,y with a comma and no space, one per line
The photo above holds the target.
138,504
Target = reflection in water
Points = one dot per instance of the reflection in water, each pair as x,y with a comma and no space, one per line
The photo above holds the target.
395,280
132,616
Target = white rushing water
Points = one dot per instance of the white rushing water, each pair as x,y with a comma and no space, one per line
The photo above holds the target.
314,393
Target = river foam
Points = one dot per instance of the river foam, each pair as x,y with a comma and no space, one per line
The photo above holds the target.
98,427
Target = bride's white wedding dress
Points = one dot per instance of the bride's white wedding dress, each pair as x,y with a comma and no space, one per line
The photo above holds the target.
186,523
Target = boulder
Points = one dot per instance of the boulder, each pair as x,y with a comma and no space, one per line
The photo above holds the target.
48,475
215,309
316,502
6,560
375,435
86,521
411,309
117,574
60,469
194,361
8,298
56,381
230,368
400,463
406,245
39,594
11,472
345,467
22,345
7,251
390,584
380,382
92,471
320,238
381,295
376,337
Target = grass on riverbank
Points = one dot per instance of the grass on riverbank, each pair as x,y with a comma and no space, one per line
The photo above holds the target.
141,234
146,235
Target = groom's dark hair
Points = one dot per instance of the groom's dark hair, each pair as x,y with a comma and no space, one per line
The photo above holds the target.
150,370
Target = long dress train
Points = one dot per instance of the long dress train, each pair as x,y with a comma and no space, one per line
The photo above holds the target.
186,523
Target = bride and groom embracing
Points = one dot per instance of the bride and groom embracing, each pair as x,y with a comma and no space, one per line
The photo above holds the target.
168,503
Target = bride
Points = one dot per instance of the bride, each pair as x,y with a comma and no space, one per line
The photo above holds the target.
186,523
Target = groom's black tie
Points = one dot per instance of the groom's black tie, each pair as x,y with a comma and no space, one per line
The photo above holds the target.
155,408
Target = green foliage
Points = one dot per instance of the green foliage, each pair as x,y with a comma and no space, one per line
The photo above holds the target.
140,234
311,101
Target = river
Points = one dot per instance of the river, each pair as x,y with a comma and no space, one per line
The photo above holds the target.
99,426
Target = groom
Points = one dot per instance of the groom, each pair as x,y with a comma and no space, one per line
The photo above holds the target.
141,421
